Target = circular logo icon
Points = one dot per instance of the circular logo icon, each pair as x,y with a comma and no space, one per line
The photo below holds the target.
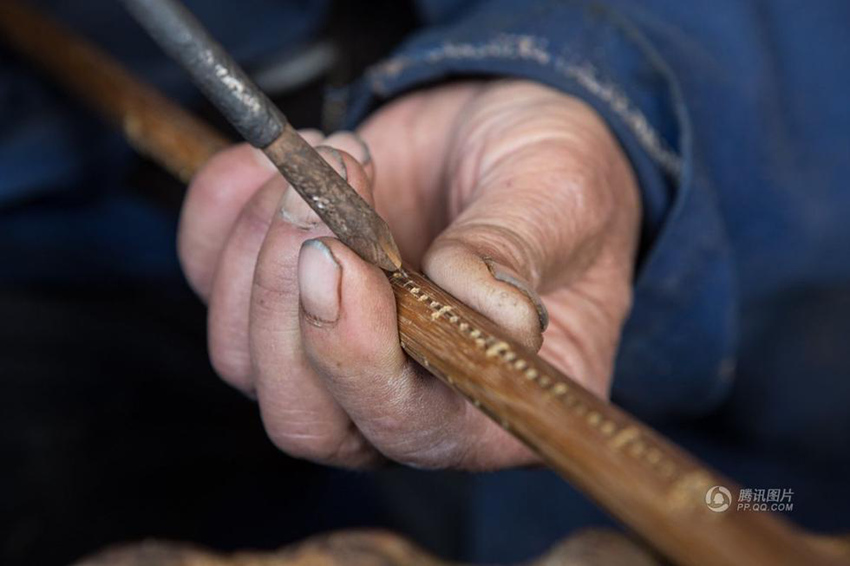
718,498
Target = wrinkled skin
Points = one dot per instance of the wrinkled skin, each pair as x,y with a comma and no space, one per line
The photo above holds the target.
505,193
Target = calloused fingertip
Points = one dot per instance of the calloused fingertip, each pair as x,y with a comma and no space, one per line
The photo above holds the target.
507,275
319,278
465,273
367,314
294,210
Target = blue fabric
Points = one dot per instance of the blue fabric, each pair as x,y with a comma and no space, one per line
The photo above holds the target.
731,116
690,93
686,303
734,118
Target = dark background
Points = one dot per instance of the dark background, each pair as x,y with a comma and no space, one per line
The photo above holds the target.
116,429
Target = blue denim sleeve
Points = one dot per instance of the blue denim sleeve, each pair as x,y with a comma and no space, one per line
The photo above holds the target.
677,352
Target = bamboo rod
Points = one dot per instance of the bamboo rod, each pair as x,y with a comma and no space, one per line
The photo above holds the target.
642,479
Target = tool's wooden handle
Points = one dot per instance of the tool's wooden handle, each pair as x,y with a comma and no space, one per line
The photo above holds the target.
639,477
644,480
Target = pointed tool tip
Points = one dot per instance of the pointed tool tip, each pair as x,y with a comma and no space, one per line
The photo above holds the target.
392,258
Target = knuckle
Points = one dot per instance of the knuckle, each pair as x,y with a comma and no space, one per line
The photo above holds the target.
213,183
428,452
318,443
585,172
421,442
516,245
275,282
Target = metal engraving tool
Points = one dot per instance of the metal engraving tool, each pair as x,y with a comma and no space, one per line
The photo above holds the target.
265,127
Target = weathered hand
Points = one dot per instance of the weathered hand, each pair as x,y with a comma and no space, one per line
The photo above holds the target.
508,194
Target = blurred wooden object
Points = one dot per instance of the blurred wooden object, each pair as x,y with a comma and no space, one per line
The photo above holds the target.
154,126
370,548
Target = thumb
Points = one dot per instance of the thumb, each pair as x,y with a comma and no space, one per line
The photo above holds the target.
533,222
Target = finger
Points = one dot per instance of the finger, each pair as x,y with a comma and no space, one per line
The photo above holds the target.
586,321
408,139
353,145
534,220
213,201
230,295
299,414
349,332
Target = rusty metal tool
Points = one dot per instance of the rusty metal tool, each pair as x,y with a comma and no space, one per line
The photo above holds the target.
265,127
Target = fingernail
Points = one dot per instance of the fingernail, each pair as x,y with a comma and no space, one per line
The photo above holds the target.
262,160
334,159
507,275
294,210
352,143
318,280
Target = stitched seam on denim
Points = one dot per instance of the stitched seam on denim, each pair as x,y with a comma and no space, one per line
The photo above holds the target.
533,49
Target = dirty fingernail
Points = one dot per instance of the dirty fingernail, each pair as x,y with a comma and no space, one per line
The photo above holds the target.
507,275
334,159
352,144
294,210
319,277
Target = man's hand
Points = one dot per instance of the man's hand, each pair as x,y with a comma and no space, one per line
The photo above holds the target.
510,195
